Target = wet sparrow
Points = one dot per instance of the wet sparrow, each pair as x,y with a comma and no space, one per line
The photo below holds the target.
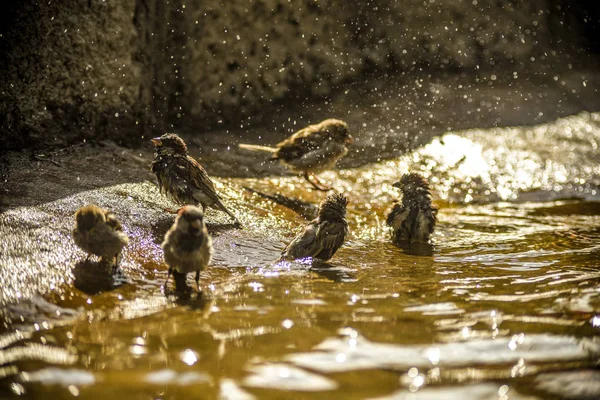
187,246
181,177
324,235
311,150
414,219
97,231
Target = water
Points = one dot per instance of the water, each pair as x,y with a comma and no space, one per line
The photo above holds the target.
504,305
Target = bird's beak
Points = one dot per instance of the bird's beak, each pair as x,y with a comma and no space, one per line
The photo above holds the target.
196,224
156,141
349,139
397,185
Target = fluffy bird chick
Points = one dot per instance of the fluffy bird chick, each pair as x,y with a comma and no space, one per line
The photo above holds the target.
414,219
311,150
324,235
187,246
181,177
97,231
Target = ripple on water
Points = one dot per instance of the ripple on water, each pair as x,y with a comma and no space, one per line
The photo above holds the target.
436,309
58,376
171,377
486,391
229,390
355,353
287,377
579,385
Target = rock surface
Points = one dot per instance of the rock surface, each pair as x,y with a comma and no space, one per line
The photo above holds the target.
69,71
97,69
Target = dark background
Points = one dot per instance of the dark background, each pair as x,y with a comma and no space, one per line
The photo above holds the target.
74,70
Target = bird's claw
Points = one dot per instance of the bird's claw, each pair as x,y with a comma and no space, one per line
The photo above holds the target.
316,183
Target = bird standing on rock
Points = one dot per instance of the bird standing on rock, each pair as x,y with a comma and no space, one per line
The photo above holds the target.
311,150
181,177
414,219
187,246
324,235
97,231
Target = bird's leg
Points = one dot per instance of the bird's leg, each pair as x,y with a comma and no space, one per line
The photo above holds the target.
87,258
170,271
317,184
197,280
115,267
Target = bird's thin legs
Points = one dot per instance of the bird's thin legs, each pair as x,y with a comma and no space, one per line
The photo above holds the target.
316,184
170,271
115,266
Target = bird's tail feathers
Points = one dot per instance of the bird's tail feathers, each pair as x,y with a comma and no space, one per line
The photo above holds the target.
254,147
222,207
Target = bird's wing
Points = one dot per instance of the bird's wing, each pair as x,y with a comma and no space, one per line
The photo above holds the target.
396,210
431,218
188,168
304,244
330,236
300,143
113,222
107,239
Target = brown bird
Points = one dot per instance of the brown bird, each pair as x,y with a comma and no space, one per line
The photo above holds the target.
181,177
324,235
187,246
311,150
97,231
414,219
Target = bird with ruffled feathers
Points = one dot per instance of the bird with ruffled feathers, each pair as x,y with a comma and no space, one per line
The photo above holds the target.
181,177
324,235
98,231
414,219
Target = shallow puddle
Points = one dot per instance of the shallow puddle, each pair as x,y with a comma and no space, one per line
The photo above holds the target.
504,304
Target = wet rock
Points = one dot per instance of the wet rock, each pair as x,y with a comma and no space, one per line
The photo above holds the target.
69,71
466,34
78,69
37,247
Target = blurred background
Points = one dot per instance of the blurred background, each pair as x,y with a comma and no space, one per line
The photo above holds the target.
123,70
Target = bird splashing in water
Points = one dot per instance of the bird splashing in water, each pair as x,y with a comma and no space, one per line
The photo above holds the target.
414,219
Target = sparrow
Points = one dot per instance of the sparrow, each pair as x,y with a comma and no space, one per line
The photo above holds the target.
311,150
182,178
414,219
187,246
97,231
324,235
